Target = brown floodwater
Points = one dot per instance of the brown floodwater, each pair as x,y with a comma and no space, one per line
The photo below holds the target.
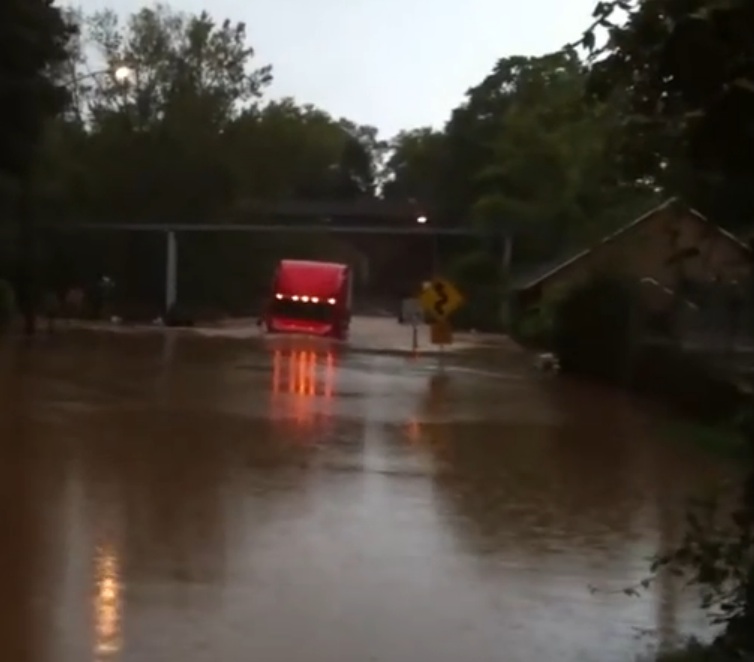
182,498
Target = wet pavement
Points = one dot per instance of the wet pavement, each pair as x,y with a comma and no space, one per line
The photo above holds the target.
172,497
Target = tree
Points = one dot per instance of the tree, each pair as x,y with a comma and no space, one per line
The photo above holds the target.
283,150
187,136
33,38
685,75
189,79
191,132
552,164
176,61
543,157
360,164
416,166
471,132
524,148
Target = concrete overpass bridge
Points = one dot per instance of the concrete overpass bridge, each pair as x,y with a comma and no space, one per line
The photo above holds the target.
370,225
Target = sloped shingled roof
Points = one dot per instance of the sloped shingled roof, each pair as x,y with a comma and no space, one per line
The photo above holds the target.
547,271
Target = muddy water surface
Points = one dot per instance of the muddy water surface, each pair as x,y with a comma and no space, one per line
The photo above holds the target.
283,501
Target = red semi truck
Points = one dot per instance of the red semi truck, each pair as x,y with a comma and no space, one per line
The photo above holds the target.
310,297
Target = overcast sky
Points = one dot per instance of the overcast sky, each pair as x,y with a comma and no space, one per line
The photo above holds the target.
394,64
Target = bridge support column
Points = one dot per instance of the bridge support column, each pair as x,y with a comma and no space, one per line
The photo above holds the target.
507,255
171,271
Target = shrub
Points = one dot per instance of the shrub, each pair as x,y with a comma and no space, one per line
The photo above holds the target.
478,277
7,304
481,309
533,326
716,556
592,328
687,383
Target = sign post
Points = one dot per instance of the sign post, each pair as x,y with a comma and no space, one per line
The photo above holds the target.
440,298
413,314
441,333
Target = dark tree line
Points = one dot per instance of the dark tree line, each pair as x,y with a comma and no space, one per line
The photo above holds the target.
33,40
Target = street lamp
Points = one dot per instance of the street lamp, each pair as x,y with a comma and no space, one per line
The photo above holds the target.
122,74
421,219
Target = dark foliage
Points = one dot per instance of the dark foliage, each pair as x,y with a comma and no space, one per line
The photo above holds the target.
592,329
684,74
33,39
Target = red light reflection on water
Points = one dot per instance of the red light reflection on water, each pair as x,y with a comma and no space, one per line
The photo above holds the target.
301,380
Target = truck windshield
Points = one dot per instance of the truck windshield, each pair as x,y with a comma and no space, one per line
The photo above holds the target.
315,312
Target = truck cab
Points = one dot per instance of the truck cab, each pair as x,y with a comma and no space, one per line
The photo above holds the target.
310,297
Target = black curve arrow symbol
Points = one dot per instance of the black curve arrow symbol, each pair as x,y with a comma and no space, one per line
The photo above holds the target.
442,298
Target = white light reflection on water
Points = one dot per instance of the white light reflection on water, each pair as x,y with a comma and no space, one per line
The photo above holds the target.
108,604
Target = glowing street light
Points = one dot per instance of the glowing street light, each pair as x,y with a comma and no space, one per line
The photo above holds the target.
122,74
421,219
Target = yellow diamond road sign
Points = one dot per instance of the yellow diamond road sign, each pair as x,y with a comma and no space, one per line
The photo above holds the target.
440,298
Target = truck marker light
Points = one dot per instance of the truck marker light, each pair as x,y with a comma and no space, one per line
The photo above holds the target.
315,299
331,302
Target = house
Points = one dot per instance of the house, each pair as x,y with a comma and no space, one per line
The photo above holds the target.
664,250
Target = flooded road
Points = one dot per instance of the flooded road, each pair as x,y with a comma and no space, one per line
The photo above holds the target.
182,498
